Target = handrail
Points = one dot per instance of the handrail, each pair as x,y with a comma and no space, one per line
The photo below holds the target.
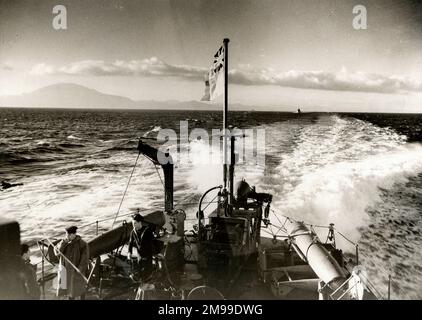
371,286
35,243
339,288
84,226
119,216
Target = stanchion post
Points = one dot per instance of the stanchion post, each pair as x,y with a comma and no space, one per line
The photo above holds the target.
357,254
42,271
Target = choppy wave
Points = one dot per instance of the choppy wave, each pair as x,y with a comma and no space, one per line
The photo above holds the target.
15,159
321,168
155,129
337,168
347,172
71,145
72,137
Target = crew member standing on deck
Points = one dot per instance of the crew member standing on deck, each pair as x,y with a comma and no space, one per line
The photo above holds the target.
28,275
77,253
142,237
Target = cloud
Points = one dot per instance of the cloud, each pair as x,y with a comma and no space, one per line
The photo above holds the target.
340,81
152,67
42,69
244,75
5,67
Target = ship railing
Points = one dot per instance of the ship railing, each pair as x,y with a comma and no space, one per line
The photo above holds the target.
341,289
98,227
46,273
357,278
37,248
350,265
368,285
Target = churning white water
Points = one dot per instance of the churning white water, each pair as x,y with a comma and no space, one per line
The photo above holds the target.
363,178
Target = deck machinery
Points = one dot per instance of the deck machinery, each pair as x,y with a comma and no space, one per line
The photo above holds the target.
225,256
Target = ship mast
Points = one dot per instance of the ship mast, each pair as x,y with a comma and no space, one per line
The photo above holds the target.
225,112
228,162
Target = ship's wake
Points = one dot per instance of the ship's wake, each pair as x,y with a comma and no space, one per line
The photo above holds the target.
325,169
331,171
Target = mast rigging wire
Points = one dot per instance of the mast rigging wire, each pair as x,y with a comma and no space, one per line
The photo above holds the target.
124,194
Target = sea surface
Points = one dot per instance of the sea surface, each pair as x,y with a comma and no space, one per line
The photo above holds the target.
362,172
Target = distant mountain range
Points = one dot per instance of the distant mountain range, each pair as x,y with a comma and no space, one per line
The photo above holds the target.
70,95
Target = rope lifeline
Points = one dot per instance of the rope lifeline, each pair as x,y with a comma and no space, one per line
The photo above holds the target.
124,194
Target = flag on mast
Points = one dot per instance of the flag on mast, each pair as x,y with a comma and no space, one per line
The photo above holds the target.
214,80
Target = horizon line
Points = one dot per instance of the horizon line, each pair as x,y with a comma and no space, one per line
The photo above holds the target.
208,110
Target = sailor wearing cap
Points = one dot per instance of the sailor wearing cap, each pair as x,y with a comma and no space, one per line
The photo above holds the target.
28,275
141,238
77,253
71,231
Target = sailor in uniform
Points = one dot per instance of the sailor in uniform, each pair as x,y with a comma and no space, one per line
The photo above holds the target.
28,275
141,238
76,255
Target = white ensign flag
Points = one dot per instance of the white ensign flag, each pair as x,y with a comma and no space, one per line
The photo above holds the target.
214,81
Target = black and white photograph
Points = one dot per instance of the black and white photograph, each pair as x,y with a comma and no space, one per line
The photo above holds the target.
228,150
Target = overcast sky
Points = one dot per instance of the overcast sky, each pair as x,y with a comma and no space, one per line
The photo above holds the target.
282,52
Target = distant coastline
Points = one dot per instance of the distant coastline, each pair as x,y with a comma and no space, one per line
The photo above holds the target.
73,96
